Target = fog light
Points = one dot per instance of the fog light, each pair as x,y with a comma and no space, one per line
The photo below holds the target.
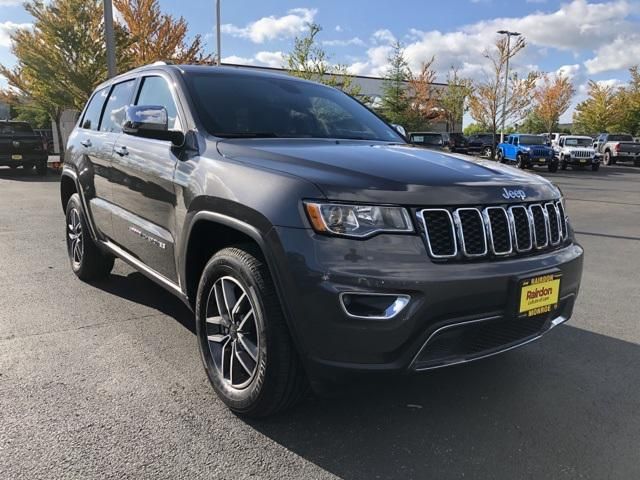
373,306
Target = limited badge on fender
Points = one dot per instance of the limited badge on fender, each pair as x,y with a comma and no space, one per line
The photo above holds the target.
539,295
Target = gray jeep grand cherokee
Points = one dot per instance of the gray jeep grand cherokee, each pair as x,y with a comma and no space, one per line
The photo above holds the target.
309,239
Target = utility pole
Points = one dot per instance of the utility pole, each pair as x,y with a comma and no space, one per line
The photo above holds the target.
218,54
506,77
109,38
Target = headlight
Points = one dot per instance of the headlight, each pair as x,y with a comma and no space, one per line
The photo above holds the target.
357,220
526,149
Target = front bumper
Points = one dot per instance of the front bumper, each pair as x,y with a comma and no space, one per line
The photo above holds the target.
542,161
581,161
318,269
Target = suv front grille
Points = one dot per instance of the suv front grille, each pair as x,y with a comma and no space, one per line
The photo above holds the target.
493,231
540,152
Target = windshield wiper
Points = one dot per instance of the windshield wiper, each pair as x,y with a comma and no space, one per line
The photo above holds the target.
247,135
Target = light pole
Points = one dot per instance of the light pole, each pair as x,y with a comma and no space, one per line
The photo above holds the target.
109,38
218,55
506,77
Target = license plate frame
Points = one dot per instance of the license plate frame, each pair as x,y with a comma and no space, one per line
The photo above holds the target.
539,294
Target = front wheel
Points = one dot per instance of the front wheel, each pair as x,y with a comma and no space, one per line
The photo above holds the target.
87,261
520,162
563,165
246,348
595,167
501,158
553,167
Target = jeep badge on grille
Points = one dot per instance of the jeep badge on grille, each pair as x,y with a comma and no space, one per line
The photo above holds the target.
510,194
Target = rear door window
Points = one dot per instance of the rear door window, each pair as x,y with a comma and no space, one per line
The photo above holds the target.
91,118
120,96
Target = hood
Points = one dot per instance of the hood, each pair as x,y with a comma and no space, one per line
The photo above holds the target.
358,171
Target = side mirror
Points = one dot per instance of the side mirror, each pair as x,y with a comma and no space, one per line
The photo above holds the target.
150,121
400,129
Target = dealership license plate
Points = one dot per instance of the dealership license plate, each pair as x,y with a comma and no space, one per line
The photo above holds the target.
541,160
583,161
16,157
539,295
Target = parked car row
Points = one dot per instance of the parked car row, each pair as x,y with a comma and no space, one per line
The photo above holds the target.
554,150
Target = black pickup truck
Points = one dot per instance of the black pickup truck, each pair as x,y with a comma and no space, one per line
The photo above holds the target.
21,146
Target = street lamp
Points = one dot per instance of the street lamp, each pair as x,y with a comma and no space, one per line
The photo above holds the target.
506,77
218,32
109,38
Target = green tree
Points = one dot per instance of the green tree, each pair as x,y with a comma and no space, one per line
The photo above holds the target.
474,128
308,60
534,124
627,103
396,100
453,99
61,59
599,112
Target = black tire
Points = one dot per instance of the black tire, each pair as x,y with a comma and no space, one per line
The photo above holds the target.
500,158
41,168
553,167
563,165
595,167
607,158
520,162
487,152
88,262
277,381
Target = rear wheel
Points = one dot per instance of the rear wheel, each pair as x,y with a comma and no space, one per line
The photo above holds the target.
487,152
246,348
88,262
607,158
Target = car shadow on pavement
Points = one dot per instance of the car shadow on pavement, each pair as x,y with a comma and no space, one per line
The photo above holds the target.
564,407
137,288
20,175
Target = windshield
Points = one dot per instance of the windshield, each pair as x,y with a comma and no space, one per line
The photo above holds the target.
532,140
15,128
620,138
242,106
578,142
427,138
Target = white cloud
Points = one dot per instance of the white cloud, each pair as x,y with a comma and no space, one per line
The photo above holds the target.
7,28
383,36
569,71
622,53
272,27
338,28
264,58
344,43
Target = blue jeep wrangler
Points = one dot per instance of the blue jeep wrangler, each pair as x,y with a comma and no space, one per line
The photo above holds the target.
527,151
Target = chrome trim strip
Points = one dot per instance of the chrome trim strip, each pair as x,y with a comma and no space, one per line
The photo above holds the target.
144,269
487,220
554,323
555,209
546,226
402,300
458,222
563,218
515,230
427,235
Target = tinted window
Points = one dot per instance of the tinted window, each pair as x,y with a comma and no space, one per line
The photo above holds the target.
119,98
91,118
155,91
428,139
620,138
239,105
580,142
532,140
15,128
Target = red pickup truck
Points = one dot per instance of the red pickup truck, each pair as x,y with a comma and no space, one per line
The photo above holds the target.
21,146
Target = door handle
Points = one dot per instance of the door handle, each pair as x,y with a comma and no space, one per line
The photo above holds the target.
122,151
86,143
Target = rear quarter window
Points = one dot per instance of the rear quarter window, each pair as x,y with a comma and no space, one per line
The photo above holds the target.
91,117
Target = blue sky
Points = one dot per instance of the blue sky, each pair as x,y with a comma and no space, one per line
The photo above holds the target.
581,39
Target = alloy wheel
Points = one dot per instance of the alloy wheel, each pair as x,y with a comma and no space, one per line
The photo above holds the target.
76,241
232,332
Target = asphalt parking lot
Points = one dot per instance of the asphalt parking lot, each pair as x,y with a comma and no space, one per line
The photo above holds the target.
105,380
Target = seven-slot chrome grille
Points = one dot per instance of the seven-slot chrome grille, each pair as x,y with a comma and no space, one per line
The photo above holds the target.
493,231
581,154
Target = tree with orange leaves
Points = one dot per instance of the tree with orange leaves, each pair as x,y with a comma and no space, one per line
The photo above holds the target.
552,98
157,36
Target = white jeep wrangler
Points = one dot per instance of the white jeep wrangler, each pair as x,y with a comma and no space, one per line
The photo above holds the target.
577,151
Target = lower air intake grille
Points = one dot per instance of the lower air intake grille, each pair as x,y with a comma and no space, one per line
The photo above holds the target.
472,340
